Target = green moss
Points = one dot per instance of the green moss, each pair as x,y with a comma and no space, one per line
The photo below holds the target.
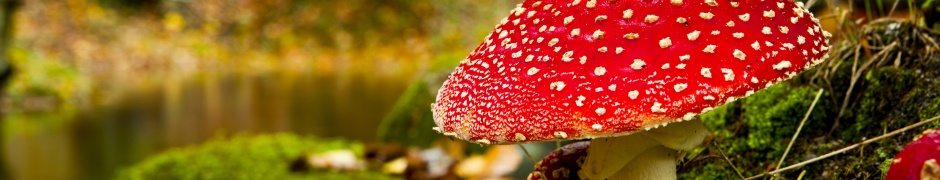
259,157
884,166
754,131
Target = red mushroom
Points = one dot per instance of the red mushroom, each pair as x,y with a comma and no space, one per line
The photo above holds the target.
919,159
576,69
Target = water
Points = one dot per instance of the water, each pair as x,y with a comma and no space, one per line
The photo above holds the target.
94,143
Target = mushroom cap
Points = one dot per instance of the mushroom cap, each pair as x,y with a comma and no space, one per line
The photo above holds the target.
575,69
562,163
919,158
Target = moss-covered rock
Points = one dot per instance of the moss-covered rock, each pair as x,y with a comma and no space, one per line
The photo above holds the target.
891,92
258,157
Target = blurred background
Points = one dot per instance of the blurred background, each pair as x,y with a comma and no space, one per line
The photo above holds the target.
268,89
103,84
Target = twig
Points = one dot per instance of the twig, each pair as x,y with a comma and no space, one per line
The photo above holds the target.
799,128
833,153
728,160
527,154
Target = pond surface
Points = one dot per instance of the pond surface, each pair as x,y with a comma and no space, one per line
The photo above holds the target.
96,142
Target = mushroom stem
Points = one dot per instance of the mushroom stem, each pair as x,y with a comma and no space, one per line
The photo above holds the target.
608,156
655,163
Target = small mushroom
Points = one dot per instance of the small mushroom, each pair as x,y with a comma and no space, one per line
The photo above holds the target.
631,75
919,159
562,163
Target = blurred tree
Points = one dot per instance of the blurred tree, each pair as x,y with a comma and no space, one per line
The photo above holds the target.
134,6
7,10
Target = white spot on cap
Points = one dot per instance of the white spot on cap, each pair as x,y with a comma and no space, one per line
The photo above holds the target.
679,87
575,32
532,71
638,64
734,4
693,35
754,80
517,54
598,34
688,116
784,29
627,13
602,49
706,72
557,85
597,127
600,70
705,110
561,135
631,35
711,2
591,4
684,57
794,20
553,42
600,18
612,87
800,39
657,107
730,24
766,30
729,75
739,54
744,17
665,66
706,15
665,42
567,56
680,66
580,101
600,111
569,19
780,5
716,32
651,18
583,59
710,48
520,137
769,13
756,45
798,11
483,141
633,94
676,2
681,20
738,35
782,65
709,98
618,50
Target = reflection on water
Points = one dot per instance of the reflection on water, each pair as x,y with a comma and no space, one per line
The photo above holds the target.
100,140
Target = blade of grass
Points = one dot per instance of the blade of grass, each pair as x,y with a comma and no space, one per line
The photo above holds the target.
799,128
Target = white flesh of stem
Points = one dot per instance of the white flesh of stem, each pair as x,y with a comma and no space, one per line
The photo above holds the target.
606,156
